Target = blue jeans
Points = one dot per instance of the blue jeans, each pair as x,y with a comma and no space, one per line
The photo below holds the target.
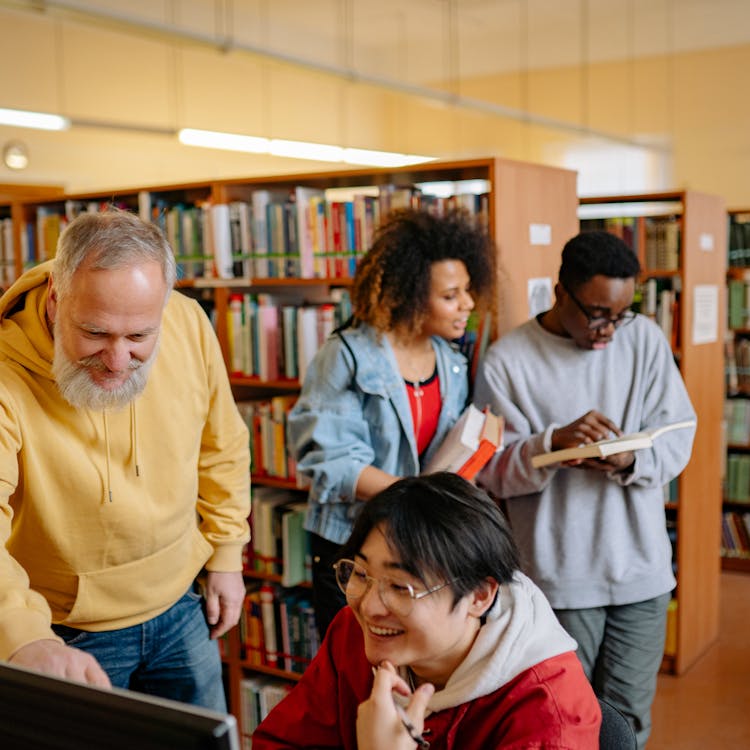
170,656
621,649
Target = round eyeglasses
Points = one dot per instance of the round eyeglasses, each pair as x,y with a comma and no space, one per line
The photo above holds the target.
397,596
602,321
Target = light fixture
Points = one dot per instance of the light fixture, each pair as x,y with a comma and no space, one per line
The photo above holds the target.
226,141
38,120
297,149
306,150
16,155
382,158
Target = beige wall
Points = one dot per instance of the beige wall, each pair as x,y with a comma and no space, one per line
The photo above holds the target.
693,103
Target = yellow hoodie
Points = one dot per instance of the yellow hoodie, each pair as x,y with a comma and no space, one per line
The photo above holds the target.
107,517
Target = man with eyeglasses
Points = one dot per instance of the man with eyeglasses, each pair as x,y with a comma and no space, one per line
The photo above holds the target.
592,533
444,642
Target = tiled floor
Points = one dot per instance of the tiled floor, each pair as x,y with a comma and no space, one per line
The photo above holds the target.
708,707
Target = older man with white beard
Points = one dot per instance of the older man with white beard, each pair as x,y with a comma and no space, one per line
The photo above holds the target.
124,470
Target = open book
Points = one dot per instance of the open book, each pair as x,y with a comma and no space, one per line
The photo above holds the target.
470,444
631,442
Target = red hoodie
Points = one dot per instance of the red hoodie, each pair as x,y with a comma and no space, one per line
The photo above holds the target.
549,705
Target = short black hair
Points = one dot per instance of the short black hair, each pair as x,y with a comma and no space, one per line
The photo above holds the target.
443,527
596,253
392,281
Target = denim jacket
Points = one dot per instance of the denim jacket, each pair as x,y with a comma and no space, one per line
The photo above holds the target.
354,412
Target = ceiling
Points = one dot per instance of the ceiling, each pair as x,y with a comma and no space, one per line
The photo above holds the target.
427,42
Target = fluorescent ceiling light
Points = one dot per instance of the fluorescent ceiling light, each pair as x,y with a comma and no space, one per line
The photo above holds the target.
38,120
381,158
304,150
227,141
297,149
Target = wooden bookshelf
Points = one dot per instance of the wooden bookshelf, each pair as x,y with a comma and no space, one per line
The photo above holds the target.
702,229
530,213
11,218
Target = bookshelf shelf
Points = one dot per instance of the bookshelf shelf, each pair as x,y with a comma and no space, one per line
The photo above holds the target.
267,481
694,232
272,578
276,385
245,664
737,503
737,564
659,273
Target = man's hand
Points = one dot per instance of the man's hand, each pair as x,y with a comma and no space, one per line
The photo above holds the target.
590,428
224,594
58,660
617,463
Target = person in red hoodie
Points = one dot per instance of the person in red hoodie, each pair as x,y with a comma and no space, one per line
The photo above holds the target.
444,641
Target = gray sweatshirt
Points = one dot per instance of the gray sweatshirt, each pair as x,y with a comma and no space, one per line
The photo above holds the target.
587,539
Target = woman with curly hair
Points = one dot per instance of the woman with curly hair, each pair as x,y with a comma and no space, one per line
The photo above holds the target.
384,390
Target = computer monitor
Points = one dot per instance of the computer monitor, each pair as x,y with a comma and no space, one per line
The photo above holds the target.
38,712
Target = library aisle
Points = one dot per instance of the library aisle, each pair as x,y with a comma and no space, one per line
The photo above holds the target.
707,708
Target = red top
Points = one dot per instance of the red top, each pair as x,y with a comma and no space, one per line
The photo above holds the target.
424,400
550,705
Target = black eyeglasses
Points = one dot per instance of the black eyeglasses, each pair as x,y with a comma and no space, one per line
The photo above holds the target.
602,321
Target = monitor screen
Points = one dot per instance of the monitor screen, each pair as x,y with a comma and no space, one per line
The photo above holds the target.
38,712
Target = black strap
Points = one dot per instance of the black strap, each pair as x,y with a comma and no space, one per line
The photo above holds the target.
338,332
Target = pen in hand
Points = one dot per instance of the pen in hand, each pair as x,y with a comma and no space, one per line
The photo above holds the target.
410,728
406,721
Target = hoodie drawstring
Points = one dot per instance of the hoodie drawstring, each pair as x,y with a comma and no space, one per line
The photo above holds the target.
133,444
134,438
109,472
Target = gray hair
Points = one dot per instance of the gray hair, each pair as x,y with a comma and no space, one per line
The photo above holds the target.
107,240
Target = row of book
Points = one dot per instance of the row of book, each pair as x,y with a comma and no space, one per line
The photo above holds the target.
662,251
737,480
624,227
737,364
7,254
738,304
266,420
270,338
302,232
659,299
280,545
661,238
39,237
737,421
739,240
258,695
735,534
277,628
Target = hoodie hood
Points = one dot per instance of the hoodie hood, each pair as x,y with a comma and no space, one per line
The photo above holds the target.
520,631
25,337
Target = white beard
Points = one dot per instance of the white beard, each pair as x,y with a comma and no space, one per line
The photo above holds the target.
80,391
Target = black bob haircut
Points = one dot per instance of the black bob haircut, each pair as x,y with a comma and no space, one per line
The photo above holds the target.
442,528
590,254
